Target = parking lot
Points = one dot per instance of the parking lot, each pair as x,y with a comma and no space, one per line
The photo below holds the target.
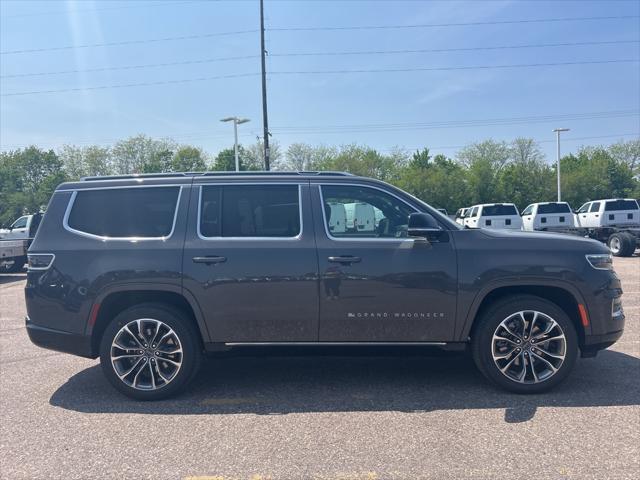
404,416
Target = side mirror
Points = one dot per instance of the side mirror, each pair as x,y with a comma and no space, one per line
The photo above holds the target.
422,224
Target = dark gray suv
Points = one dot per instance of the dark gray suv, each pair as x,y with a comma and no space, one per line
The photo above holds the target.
151,272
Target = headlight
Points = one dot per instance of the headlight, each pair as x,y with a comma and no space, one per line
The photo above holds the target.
601,261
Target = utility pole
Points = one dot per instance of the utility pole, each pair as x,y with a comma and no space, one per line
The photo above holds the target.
558,130
236,121
265,120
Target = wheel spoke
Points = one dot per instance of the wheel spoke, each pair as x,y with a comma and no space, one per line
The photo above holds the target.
126,374
153,380
126,329
128,355
548,363
499,337
158,325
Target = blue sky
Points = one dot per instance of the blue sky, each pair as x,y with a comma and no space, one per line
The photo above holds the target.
441,109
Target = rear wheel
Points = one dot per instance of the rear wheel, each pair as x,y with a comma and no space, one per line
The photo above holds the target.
621,244
525,344
150,352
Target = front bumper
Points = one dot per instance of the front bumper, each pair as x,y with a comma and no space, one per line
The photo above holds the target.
58,340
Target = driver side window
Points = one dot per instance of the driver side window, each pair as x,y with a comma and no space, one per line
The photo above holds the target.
362,212
584,208
20,223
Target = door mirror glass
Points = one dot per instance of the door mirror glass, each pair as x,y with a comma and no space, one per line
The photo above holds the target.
421,224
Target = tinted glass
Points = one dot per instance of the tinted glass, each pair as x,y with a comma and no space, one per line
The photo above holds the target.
496,210
554,208
595,206
621,205
528,210
352,211
125,212
474,212
250,211
20,223
584,208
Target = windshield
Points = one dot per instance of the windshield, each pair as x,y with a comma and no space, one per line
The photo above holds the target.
497,210
554,208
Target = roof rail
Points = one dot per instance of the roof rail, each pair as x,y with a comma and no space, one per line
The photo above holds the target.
210,174
133,175
266,173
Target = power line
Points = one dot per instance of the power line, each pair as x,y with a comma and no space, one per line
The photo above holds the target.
430,69
364,128
460,24
456,123
127,85
132,67
321,72
312,54
129,42
324,28
459,49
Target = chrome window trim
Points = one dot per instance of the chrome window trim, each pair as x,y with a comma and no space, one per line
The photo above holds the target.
363,239
34,269
218,239
65,221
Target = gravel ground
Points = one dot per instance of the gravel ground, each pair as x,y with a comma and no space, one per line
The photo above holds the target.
404,416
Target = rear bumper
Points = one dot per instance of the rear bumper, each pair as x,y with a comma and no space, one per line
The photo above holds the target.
60,341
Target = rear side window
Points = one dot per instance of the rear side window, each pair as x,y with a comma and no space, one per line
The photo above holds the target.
497,210
250,211
147,212
554,208
620,205
595,206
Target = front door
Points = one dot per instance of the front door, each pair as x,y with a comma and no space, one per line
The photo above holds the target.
378,285
250,261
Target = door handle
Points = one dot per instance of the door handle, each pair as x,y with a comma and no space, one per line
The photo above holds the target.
347,260
209,260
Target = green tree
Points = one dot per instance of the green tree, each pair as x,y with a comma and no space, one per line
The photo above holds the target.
88,161
593,173
132,154
27,179
483,162
305,157
188,159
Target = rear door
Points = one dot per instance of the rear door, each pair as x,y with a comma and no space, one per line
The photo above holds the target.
250,260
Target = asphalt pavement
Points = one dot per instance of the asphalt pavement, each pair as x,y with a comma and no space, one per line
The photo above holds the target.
397,415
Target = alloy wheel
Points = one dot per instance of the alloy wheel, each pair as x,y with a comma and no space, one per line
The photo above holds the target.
146,354
528,347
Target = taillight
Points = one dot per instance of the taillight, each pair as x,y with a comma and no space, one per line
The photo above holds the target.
40,261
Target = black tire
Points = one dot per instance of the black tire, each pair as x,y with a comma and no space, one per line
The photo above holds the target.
621,244
483,346
629,242
188,339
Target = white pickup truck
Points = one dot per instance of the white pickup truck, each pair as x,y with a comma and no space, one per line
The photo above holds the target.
610,212
15,240
494,215
548,216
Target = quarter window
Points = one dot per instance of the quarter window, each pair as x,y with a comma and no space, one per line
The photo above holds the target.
361,212
250,211
146,212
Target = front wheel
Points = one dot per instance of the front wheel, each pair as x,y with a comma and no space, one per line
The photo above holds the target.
525,344
150,352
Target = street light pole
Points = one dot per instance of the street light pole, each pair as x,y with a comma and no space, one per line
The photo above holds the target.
558,130
236,121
